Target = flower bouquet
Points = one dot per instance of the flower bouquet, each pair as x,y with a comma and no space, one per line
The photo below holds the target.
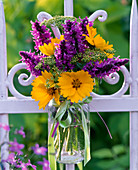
66,69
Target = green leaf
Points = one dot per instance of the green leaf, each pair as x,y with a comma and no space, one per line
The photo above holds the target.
51,150
65,123
123,160
80,166
87,155
103,153
107,164
88,99
62,109
118,149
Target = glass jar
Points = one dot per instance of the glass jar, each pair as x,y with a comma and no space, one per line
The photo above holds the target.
69,142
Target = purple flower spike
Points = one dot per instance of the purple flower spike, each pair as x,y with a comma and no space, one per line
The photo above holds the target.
41,34
45,164
73,44
111,65
39,150
16,147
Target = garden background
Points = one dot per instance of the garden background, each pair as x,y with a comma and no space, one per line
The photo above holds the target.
107,154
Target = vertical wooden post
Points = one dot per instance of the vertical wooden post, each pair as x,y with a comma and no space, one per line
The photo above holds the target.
3,90
134,86
68,11
68,7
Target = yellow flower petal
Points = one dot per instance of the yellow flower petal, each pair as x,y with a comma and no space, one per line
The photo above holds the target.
48,49
41,93
44,101
100,43
75,98
75,85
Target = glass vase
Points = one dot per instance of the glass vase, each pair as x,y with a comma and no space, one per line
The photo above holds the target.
69,142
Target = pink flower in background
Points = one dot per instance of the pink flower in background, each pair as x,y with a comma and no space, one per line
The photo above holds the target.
11,159
45,164
16,147
39,150
5,127
20,132
24,166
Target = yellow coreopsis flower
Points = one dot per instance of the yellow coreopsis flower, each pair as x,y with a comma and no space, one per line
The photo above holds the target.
75,85
96,40
42,93
100,43
48,49
92,32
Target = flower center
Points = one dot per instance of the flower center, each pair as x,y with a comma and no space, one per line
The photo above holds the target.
76,83
51,91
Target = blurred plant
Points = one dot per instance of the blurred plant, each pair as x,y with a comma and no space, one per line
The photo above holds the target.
17,159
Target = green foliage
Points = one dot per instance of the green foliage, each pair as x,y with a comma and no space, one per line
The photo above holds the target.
106,154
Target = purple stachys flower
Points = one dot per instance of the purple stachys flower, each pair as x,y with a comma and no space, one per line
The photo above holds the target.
41,34
39,150
107,67
72,45
45,164
83,24
20,132
16,147
31,61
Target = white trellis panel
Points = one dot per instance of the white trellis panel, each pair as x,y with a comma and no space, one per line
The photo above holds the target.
117,102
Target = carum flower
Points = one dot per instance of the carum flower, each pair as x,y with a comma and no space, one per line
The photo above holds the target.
48,49
44,90
75,85
39,150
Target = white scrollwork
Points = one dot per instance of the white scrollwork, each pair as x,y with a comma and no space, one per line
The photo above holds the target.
21,80
113,79
44,15
100,14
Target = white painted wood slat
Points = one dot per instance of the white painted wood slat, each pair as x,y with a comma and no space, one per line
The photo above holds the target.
134,85
3,89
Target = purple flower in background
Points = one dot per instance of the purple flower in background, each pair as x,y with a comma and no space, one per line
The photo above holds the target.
107,67
39,150
41,34
16,147
45,164
24,166
11,159
5,127
20,132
